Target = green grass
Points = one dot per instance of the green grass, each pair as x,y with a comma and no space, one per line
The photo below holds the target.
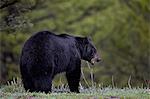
15,90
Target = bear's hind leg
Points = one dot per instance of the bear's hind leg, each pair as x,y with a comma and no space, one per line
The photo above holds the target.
28,84
42,84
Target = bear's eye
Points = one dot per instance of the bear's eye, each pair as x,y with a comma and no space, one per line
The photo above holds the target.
93,51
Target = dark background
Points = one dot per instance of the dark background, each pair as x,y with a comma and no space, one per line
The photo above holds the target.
120,29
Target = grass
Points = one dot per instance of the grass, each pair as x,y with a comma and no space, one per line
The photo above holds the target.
15,90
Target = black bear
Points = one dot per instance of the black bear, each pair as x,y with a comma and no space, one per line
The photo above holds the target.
46,54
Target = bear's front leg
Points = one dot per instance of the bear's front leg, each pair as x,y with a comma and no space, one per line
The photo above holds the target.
73,78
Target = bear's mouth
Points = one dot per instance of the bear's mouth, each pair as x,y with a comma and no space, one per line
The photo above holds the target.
94,60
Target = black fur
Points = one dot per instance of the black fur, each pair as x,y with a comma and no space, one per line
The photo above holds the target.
46,54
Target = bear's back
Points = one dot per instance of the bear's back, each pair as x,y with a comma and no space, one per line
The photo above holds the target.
47,42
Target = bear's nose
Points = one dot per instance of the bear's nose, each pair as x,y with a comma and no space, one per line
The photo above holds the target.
98,59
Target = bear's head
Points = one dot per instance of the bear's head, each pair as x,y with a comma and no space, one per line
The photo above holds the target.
88,51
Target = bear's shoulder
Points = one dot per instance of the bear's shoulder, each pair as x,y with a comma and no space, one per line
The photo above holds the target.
65,36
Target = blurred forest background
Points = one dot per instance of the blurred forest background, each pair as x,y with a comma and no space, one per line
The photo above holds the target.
120,29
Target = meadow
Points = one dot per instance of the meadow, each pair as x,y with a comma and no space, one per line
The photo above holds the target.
15,90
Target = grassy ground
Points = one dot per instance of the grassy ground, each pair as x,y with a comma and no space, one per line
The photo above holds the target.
14,90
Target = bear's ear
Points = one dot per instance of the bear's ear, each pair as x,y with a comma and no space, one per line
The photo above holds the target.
81,40
86,40
89,38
